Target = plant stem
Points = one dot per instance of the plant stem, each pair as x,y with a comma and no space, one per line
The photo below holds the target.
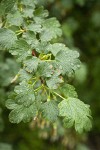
56,93
38,88
59,95
34,82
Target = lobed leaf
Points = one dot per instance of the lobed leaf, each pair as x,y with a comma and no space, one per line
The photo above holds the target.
44,69
56,47
68,60
36,28
6,6
22,103
54,81
31,64
50,29
76,113
30,38
28,12
67,90
21,113
29,2
40,14
50,111
24,75
15,18
21,49
25,94
7,38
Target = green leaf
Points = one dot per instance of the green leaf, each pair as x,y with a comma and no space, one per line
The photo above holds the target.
76,113
31,64
40,14
50,111
29,2
67,90
30,38
24,75
56,47
15,18
22,104
44,69
11,104
6,6
50,29
21,49
36,28
68,122
25,94
7,38
42,47
54,81
28,12
68,60
21,113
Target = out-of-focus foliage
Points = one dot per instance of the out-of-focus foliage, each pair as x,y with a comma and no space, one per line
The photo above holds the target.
80,21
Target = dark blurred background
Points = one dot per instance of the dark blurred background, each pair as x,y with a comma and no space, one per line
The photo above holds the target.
80,23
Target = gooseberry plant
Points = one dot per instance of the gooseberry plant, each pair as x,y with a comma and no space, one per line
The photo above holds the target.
46,67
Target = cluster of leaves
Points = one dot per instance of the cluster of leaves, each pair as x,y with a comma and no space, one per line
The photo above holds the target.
43,90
